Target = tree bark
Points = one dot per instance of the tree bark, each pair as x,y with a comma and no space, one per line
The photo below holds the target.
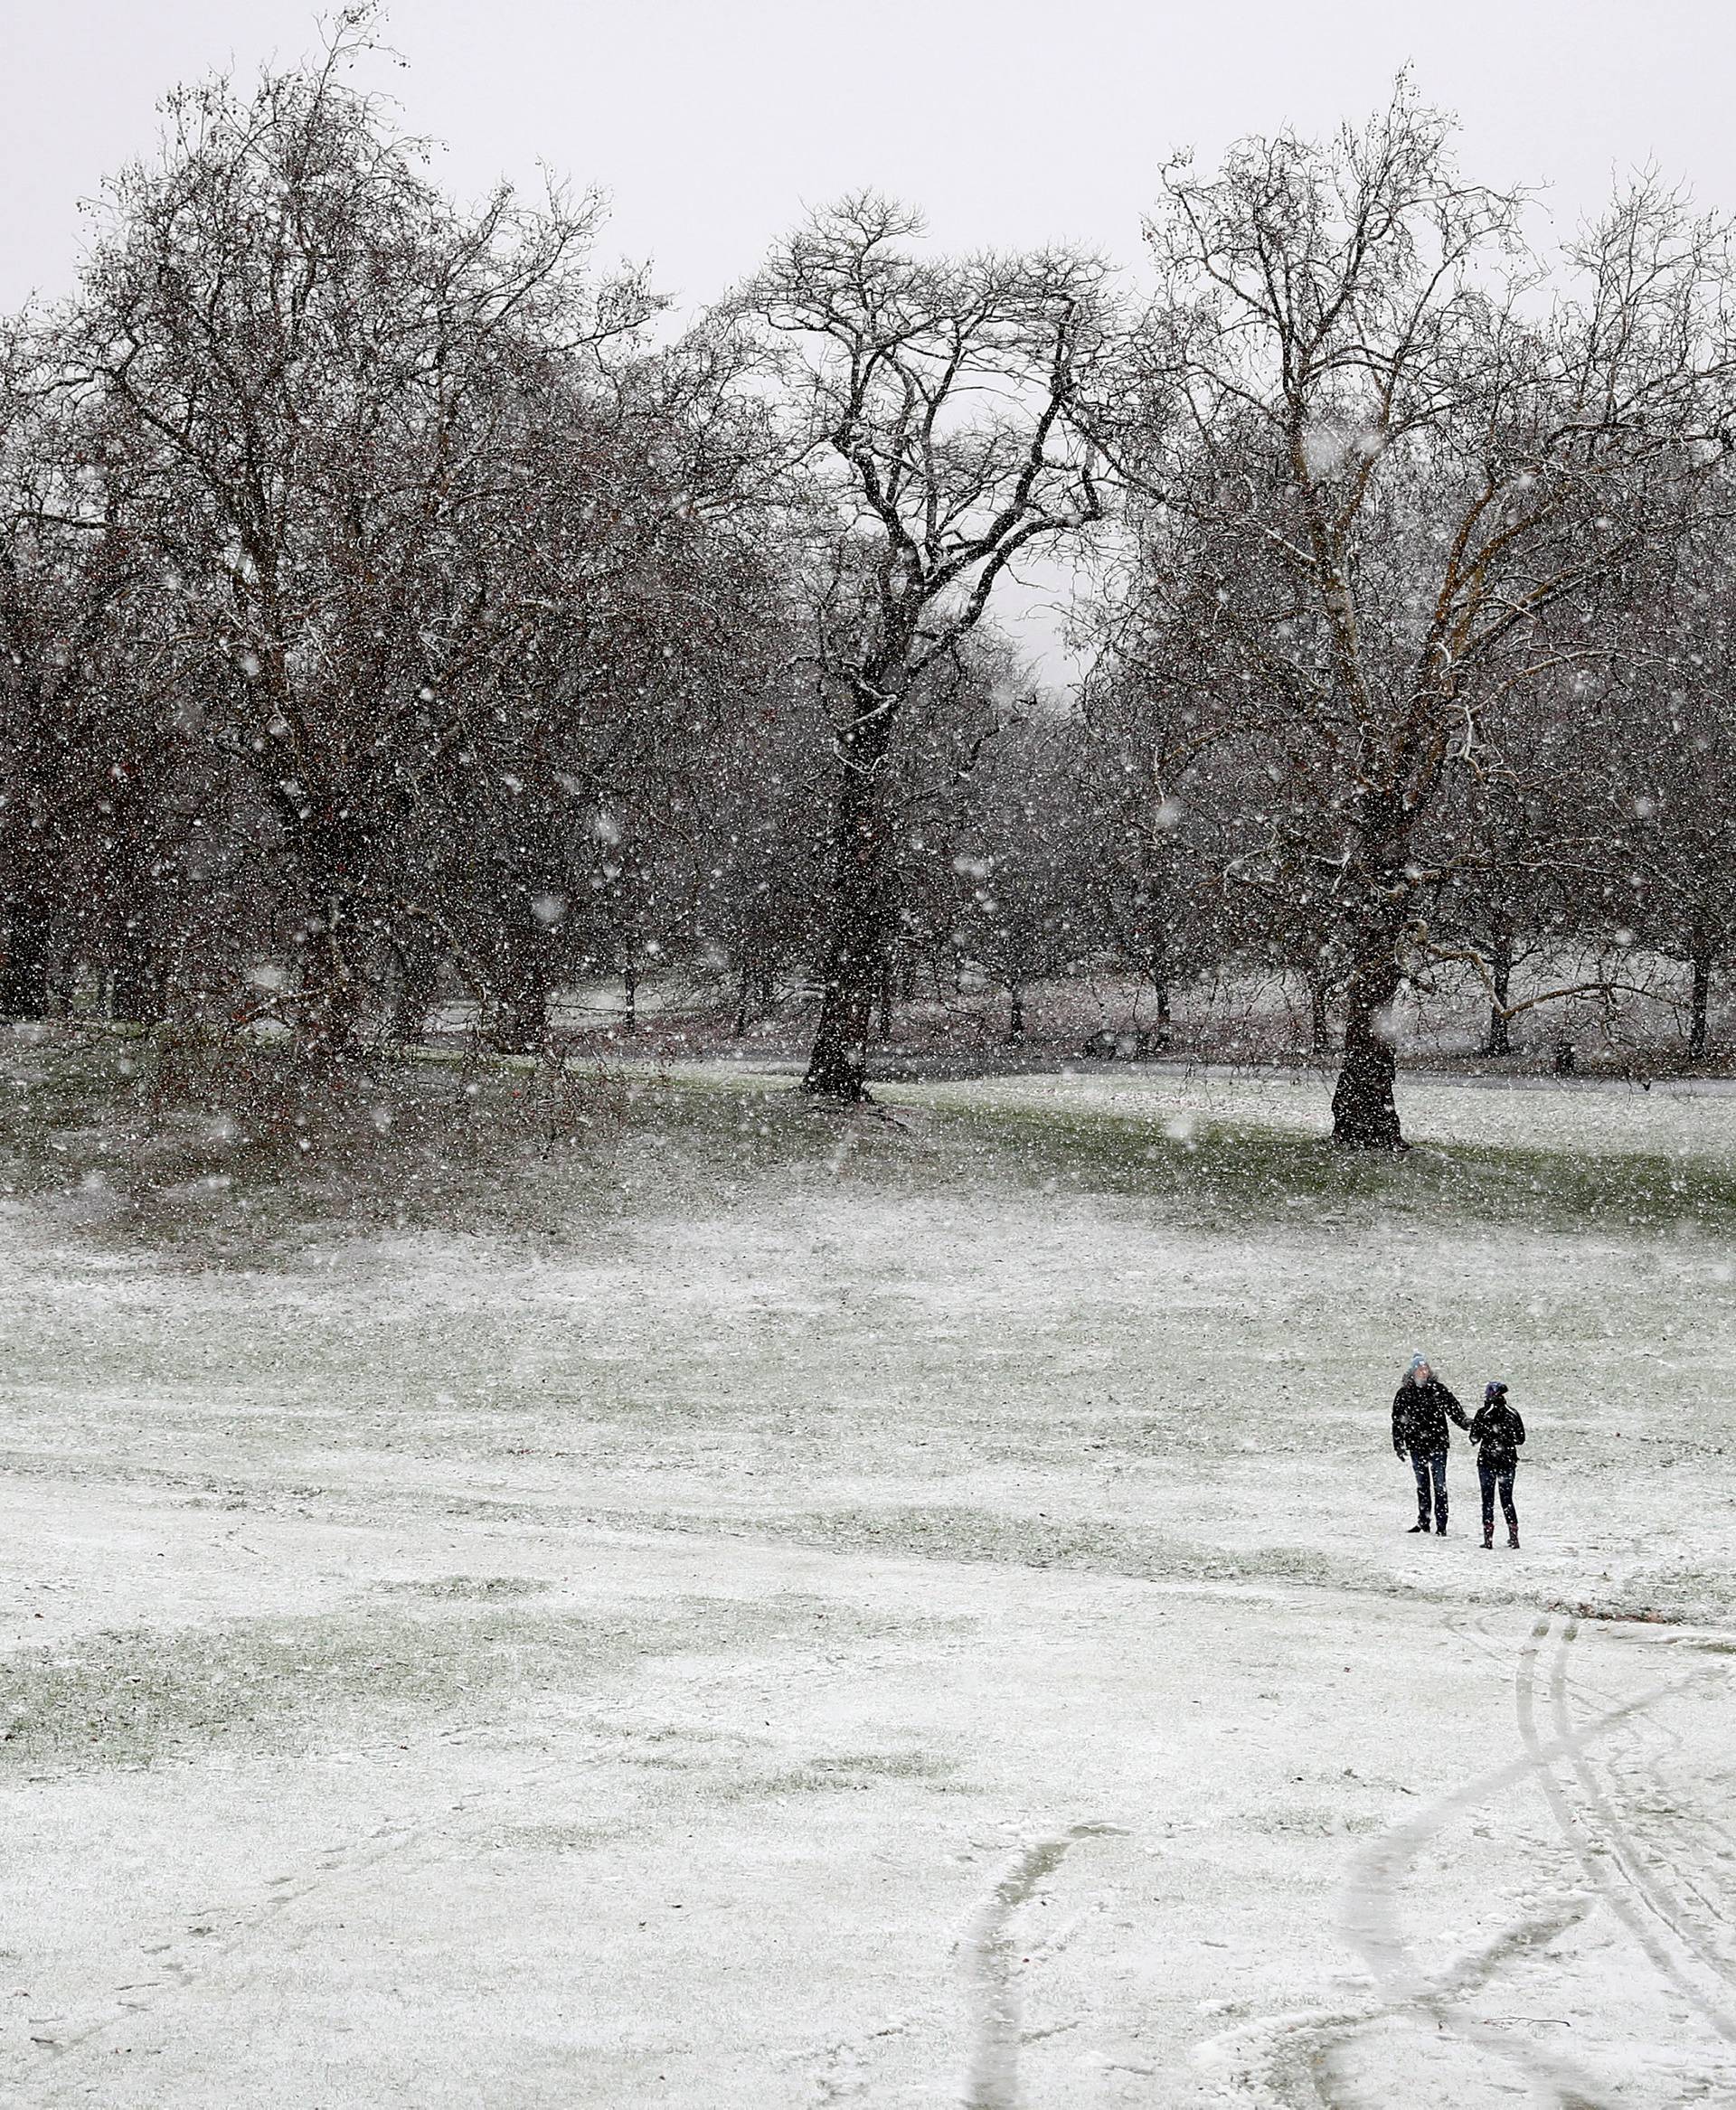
333,988
1015,1013
1157,969
1699,999
743,989
418,982
1319,1025
1364,1112
855,942
331,998
24,990
1499,1040
521,1016
136,991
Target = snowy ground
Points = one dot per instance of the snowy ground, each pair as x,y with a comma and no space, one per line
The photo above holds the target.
887,1634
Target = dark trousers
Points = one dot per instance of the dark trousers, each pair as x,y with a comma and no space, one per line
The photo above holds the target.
1431,1469
1491,1478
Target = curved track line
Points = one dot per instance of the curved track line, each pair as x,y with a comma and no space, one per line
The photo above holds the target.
1631,1847
1267,2061
1652,1895
1308,2044
992,2082
1372,1919
1687,1876
1598,1866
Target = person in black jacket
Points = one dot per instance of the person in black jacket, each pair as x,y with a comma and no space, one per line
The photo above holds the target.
1497,1432
1421,1408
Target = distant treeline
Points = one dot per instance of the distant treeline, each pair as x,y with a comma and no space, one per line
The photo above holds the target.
388,596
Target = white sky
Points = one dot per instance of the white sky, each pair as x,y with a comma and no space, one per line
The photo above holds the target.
712,122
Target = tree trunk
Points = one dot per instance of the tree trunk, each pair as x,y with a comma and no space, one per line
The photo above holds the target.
521,1026
629,995
855,942
886,996
23,975
1500,1034
1365,1114
333,990
136,991
1699,1000
1158,969
1015,1013
1319,1025
330,1011
1151,931
744,986
418,983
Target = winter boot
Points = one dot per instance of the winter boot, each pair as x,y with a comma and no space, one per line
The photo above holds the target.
1488,1541
1422,1524
1512,1540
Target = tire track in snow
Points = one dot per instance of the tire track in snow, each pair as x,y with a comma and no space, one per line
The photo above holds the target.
1303,2049
1284,2062
1629,1889
1372,1914
1689,1875
991,2080
1630,1853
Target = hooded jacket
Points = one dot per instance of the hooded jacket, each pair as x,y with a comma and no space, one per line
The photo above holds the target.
1420,1417
1498,1432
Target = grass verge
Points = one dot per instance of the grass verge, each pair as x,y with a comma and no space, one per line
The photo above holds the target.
130,1139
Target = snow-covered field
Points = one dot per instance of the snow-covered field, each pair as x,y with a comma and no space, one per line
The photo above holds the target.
883,1633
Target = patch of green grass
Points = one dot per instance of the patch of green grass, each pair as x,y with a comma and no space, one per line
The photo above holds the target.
135,1695
473,1588
240,1151
1084,1543
129,1697
1222,1174
259,1157
1234,1175
855,1772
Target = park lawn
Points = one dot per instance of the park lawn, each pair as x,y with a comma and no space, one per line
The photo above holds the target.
761,1607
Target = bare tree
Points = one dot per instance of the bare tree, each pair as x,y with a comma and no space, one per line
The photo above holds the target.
1024,868
1440,464
318,353
1663,795
930,398
92,778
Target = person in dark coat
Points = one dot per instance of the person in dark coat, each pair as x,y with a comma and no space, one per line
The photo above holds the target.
1421,1409
1497,1432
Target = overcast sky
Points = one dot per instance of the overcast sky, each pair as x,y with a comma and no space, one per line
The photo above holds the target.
711,122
